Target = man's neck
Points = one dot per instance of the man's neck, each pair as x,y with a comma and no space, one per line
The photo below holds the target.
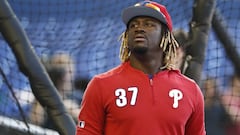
148,65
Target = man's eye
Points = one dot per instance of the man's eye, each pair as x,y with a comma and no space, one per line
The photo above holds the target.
149,24
133,25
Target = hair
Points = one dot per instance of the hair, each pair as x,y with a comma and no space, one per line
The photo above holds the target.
168,44
181,37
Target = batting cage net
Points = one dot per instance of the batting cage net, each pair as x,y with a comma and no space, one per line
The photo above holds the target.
77,39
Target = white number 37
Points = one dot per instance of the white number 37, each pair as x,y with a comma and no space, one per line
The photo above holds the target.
121,94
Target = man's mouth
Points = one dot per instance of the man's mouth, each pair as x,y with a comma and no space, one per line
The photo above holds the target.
139,38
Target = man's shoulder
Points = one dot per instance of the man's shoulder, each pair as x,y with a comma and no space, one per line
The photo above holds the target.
182,77
111,72
188,79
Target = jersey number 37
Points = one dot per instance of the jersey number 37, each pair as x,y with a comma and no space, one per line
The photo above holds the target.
121,95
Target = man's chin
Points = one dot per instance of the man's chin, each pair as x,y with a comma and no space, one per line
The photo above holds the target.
139,50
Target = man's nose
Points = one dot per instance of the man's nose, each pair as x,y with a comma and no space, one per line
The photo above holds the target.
140,28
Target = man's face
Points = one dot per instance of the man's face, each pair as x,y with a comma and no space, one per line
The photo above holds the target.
144,34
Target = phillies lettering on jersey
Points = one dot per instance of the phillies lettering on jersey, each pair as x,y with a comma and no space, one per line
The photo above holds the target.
176,95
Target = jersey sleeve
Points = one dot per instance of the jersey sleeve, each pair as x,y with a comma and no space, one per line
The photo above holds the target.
196,124
91,116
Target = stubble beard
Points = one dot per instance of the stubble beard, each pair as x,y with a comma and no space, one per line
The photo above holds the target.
139,50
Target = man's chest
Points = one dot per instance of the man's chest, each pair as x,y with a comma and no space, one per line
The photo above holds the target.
143,102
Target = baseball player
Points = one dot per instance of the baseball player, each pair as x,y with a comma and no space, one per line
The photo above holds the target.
145,94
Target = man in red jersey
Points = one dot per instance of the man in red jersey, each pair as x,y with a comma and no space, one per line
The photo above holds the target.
145,95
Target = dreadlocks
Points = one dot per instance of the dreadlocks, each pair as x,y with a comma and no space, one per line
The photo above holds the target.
168,44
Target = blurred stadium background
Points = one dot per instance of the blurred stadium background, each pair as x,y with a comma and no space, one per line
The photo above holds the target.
89,32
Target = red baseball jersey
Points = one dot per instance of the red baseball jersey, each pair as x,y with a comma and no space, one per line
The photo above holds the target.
126,101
